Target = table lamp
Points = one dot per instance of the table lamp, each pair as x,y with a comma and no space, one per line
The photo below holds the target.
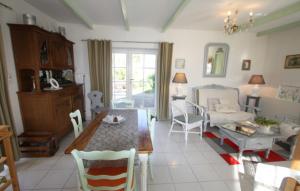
256,80
179,78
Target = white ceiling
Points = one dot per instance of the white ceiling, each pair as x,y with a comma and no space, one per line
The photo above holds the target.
198,14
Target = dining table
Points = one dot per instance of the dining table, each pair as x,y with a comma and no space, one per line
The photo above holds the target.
131,133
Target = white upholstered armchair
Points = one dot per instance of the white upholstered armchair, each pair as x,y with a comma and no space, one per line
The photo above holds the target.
221,104
188,120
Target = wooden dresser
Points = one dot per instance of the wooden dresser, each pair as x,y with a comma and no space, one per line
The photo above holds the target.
38,52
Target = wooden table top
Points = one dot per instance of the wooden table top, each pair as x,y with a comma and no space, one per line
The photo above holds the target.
144,144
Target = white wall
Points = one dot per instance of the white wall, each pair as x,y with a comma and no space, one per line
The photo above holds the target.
15,16
188,44
279,45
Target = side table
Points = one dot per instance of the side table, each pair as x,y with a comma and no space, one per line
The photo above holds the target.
178,97
256,101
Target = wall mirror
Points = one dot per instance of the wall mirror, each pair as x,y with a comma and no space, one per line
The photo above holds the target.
215,59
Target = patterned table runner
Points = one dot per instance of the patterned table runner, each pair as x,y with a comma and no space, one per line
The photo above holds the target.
119,137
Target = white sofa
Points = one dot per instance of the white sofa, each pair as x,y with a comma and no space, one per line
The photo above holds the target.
203,95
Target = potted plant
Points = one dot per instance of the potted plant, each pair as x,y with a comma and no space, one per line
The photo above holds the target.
266,125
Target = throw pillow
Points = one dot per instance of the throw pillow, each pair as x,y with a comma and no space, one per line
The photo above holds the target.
228,101
211,103
226,108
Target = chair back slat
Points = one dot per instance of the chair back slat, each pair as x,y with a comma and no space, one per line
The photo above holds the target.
77,125
104,155
102,188
106,177
84,176
96,99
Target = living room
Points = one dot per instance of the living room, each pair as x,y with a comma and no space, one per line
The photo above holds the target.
264,44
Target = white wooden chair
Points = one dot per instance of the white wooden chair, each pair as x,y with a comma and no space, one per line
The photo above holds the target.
96,102
77,123
188,121
105,178
152,131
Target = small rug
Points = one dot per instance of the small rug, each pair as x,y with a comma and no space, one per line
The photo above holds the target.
229,151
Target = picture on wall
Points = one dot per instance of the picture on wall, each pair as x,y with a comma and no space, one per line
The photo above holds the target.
289,93
246,65
180,63
292,61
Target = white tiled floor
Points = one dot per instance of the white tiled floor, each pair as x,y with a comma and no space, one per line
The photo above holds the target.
176,167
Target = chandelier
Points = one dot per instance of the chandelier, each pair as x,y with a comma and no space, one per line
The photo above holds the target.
231,26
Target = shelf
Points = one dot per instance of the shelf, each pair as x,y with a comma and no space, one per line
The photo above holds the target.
2,160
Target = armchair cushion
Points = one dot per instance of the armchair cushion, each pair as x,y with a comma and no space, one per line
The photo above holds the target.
191,117
212,102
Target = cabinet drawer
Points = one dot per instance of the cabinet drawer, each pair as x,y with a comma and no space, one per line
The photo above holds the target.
259,143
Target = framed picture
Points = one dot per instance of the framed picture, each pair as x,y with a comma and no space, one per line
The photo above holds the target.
246,65
180,63
289,93
292,61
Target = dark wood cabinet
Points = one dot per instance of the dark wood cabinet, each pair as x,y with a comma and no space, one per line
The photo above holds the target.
36,51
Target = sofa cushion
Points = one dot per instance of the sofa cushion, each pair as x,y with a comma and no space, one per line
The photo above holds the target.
191,117
225,108
218,118
205,94
211,103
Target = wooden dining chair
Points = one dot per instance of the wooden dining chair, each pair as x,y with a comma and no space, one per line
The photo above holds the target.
96,102
106,178
76,122
152,131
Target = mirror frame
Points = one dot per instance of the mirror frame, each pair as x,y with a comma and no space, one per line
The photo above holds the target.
226,49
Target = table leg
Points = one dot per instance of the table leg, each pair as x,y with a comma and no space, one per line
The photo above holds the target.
222,139
144,169
267,153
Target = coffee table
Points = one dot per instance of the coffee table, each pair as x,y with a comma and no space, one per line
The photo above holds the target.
257,141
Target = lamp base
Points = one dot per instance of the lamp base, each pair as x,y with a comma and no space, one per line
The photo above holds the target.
255,91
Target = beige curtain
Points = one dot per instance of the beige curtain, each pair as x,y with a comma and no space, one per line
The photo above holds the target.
5,110
164,74
100,56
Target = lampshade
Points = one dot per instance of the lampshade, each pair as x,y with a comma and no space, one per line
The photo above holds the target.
257,79
179,78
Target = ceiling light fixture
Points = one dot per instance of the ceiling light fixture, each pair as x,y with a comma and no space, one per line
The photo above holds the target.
231,26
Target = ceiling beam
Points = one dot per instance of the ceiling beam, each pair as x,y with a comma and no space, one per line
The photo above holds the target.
275,15
77,11
125,13
179,9
280,28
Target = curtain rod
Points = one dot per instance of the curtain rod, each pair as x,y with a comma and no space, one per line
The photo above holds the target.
129,41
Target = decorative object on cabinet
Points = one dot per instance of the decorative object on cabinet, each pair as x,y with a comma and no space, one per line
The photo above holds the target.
180,63
289,93
29,19
292,61
256,80
246,65
179,79
39,56
215,59
8,158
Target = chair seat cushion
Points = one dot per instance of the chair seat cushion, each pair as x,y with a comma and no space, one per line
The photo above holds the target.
191,117
112,171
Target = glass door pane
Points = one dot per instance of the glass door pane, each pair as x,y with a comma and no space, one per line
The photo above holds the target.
134,77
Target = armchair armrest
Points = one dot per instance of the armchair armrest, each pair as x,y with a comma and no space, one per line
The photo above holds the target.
199,108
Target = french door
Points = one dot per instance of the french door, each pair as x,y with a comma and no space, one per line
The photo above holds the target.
134,76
